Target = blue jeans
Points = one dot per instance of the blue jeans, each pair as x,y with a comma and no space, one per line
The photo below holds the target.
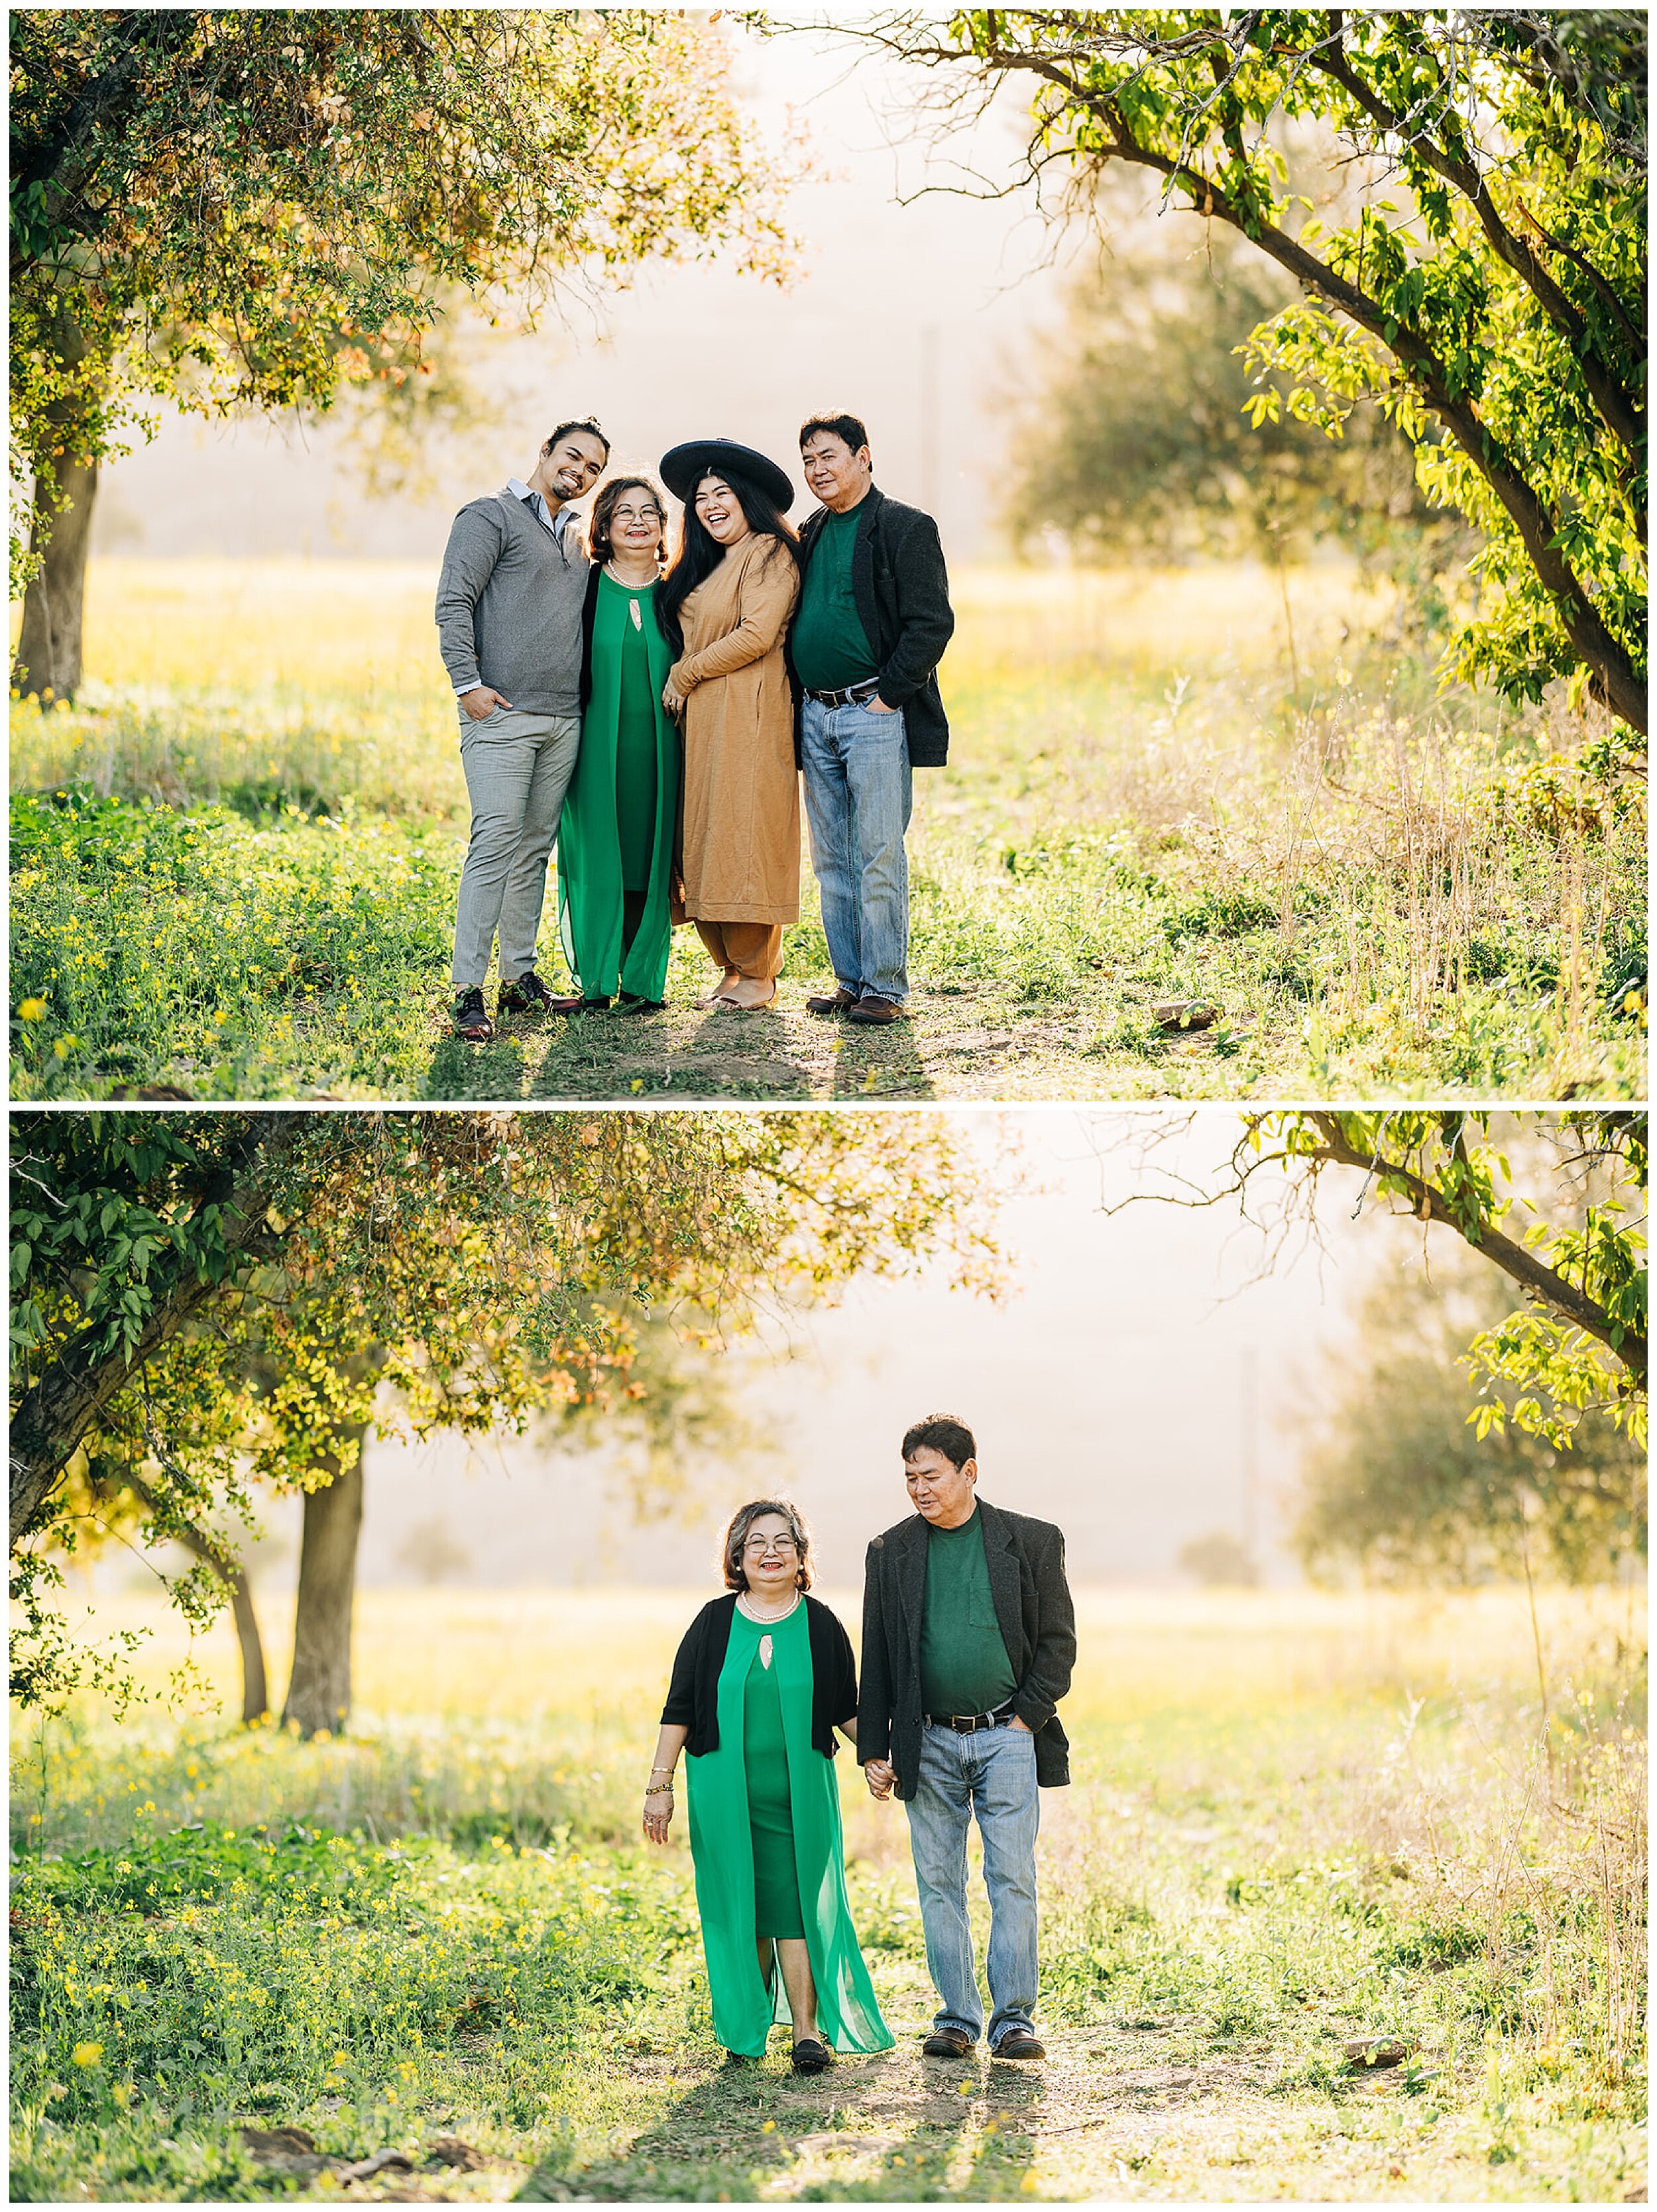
858,794
991,1773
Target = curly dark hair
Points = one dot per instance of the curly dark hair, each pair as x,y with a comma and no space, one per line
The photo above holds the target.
736,1536
599,547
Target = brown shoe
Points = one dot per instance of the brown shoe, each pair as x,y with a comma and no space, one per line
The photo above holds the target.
842,1002
946,2043
528,995
1019,2044
872,1007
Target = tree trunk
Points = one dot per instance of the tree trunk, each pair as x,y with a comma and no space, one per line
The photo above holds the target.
255,1696
48,663
320,1685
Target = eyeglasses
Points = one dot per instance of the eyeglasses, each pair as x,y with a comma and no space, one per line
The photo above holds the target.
638,514
759,1547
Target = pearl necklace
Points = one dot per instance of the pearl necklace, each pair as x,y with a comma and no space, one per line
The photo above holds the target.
744,1606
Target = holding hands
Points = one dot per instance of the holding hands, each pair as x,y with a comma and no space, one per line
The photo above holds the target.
881,1777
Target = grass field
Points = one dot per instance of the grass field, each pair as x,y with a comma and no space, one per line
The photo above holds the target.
1298,1821
234,863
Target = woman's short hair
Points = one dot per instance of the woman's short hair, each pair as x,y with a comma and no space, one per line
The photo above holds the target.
599,547
736,1537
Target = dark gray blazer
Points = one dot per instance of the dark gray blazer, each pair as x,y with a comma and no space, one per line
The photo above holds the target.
1026,1559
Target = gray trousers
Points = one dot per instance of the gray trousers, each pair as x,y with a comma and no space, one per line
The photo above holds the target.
518,767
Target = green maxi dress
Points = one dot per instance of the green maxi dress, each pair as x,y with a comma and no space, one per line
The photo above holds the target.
770,1858
616,840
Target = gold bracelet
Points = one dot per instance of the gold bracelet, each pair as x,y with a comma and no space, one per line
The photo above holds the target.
660,1789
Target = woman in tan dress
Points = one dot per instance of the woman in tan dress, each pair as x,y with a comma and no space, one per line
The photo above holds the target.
725,604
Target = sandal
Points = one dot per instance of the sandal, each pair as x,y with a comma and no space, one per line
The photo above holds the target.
735,1005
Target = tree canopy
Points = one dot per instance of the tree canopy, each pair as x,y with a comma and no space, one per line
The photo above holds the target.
203,1300
230,208
1493,280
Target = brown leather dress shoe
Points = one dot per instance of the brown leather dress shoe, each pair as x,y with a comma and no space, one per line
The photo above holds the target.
841,1002
872,1007
1019,2044
528,995
946,2043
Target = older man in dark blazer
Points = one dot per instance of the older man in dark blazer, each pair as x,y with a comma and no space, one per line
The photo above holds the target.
969,1639
873,621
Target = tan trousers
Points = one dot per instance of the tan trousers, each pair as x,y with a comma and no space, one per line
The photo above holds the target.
755,949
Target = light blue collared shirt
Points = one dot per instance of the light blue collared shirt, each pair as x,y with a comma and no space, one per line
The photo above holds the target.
538,506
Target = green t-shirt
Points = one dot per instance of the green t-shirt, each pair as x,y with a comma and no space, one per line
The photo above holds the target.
830,645
964,1667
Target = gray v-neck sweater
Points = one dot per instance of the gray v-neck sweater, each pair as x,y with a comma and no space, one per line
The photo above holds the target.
509,605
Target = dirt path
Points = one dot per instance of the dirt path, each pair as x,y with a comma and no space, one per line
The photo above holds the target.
971,1043
1139,2109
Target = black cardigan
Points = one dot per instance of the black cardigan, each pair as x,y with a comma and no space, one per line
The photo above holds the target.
693,1693
902,590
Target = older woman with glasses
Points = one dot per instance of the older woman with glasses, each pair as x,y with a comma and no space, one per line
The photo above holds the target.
763,1679
616,845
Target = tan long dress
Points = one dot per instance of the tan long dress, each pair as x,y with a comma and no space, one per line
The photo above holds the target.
741,854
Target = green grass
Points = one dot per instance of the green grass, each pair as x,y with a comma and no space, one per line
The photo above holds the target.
246,886
444,1926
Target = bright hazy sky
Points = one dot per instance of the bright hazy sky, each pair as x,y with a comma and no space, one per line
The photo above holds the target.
1106,1392
691,352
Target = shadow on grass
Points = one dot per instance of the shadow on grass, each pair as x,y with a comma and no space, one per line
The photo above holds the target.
880,1063
881,2129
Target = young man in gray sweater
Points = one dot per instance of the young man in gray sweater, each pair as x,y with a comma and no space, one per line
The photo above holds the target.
509,627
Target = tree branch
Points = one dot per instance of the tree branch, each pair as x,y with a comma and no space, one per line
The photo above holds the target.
1542,1282
1623,689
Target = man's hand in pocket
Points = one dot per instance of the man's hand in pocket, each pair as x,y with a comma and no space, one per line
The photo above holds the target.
482,701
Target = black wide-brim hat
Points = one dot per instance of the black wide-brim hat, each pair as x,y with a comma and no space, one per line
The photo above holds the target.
686,464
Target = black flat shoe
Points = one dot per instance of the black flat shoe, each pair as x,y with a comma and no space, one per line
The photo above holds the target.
810,2056
627,1004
